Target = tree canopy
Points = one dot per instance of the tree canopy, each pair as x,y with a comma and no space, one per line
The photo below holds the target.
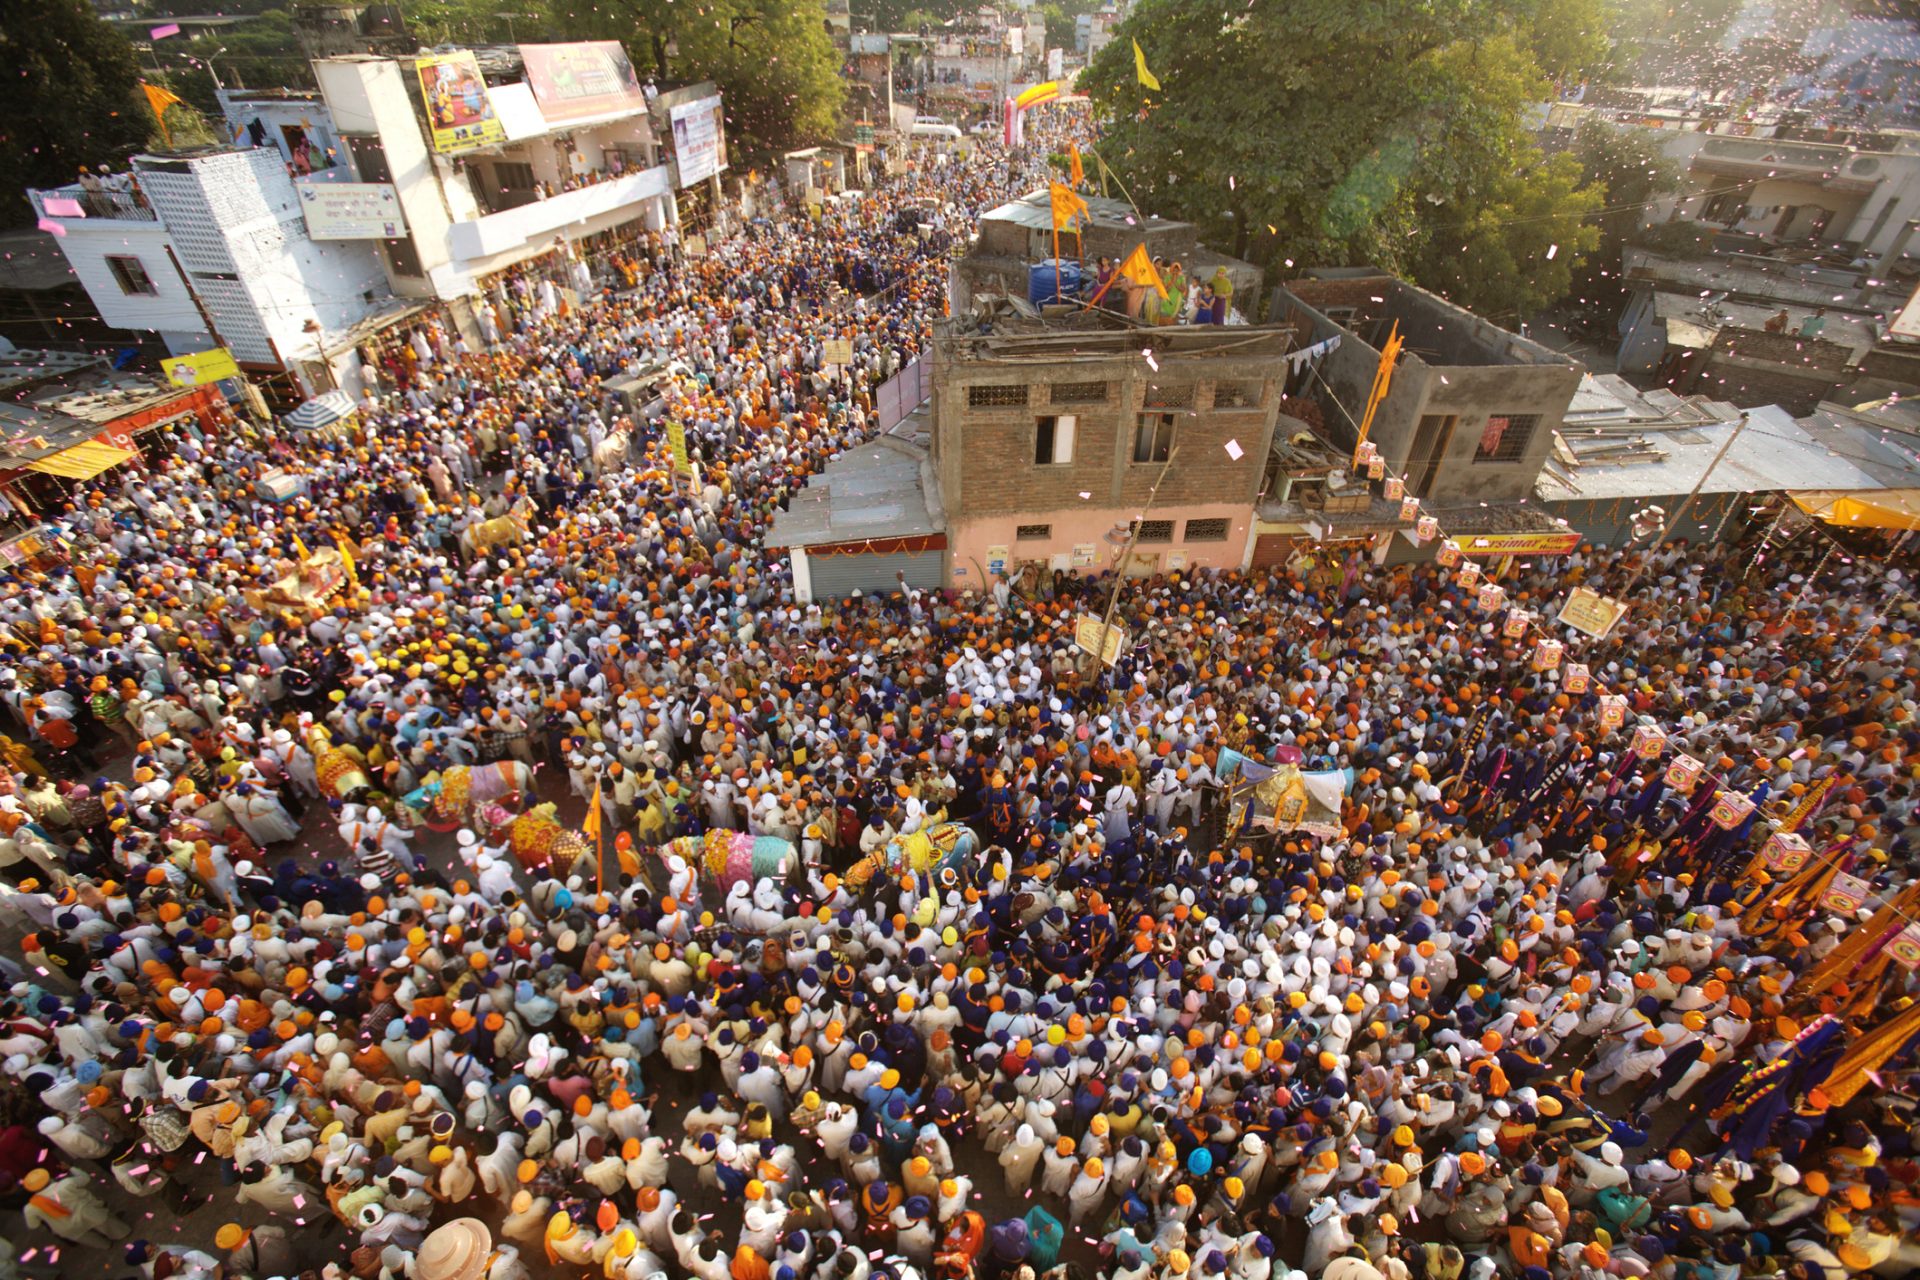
71,97
1389,132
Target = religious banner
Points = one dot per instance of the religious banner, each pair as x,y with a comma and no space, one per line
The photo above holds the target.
1613,711
1589,611
1649,740
1468,577
1547,655
1577,679
1492,596
1516,624
1449,554
1731,809
1785,852
1905,946
1683,773
1395,489
1845,894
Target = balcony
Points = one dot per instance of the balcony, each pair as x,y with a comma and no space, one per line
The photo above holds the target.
512,228
117,202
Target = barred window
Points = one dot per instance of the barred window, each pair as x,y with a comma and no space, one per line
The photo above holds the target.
1153,437
1079,392
1236,395
1156,531
1032,532
1206,530
1177,396
996,395
1506,437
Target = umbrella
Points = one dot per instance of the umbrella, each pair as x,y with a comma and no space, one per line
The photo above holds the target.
322,411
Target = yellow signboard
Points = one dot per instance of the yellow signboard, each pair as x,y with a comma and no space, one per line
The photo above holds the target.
459,112
1086,634
1486,546
836,351
677,445
1589,611
200,368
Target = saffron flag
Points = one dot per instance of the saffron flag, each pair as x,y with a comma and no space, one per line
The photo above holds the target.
346,560
1078,174
1067,205
591,827
1147,77
160,99
1139,268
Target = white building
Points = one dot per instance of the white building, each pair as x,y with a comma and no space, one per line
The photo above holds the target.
119,251
210,249
572,175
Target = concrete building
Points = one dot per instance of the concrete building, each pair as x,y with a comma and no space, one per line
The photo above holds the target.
284,119
211,248
1470,415
562,178
1049,438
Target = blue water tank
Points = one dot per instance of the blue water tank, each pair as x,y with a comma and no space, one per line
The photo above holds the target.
1041,277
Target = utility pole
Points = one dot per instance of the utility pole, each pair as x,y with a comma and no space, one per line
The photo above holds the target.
1673,522
1120,572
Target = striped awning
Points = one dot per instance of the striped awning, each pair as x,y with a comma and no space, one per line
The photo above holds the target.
322,411
83,461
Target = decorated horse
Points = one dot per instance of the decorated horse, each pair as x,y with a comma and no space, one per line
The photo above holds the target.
452,797
723,858
342,770
928,851
539,843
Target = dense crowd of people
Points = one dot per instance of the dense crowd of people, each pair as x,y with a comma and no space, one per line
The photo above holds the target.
1526,1010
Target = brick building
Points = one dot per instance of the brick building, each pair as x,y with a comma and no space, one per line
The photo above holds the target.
1048,441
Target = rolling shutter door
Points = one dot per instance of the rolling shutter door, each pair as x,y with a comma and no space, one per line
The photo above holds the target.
836,577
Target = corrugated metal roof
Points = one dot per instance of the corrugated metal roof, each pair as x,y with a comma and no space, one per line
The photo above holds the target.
874,491
1774,454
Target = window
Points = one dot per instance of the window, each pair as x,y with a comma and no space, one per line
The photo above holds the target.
1032,532
1206,530
1153,438
1506,437
1079,393
1170,397
131,276
513,176
1156,530
1053,440
1236,395
996,395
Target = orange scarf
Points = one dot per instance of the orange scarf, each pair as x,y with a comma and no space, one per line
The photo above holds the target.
51,1207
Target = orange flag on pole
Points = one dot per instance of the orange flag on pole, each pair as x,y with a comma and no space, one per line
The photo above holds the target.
159,99
1067,205
1078,174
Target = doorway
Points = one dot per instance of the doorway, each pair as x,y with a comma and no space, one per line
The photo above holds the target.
1430,441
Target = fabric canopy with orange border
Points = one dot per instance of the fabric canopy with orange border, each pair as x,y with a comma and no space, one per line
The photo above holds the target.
1862,509
83,461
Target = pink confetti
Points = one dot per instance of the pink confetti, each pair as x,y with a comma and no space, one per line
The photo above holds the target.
62,207
50,226
161,33
1234,450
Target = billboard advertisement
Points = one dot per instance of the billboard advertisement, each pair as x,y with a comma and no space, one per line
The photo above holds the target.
459,113
581,81
699,139
352,210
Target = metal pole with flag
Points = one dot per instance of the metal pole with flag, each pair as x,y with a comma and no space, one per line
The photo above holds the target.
1382,379
1067,205
591,827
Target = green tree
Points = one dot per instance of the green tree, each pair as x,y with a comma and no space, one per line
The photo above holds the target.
1515,251
772,60
1340,131
1629,166
263,53
70,97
